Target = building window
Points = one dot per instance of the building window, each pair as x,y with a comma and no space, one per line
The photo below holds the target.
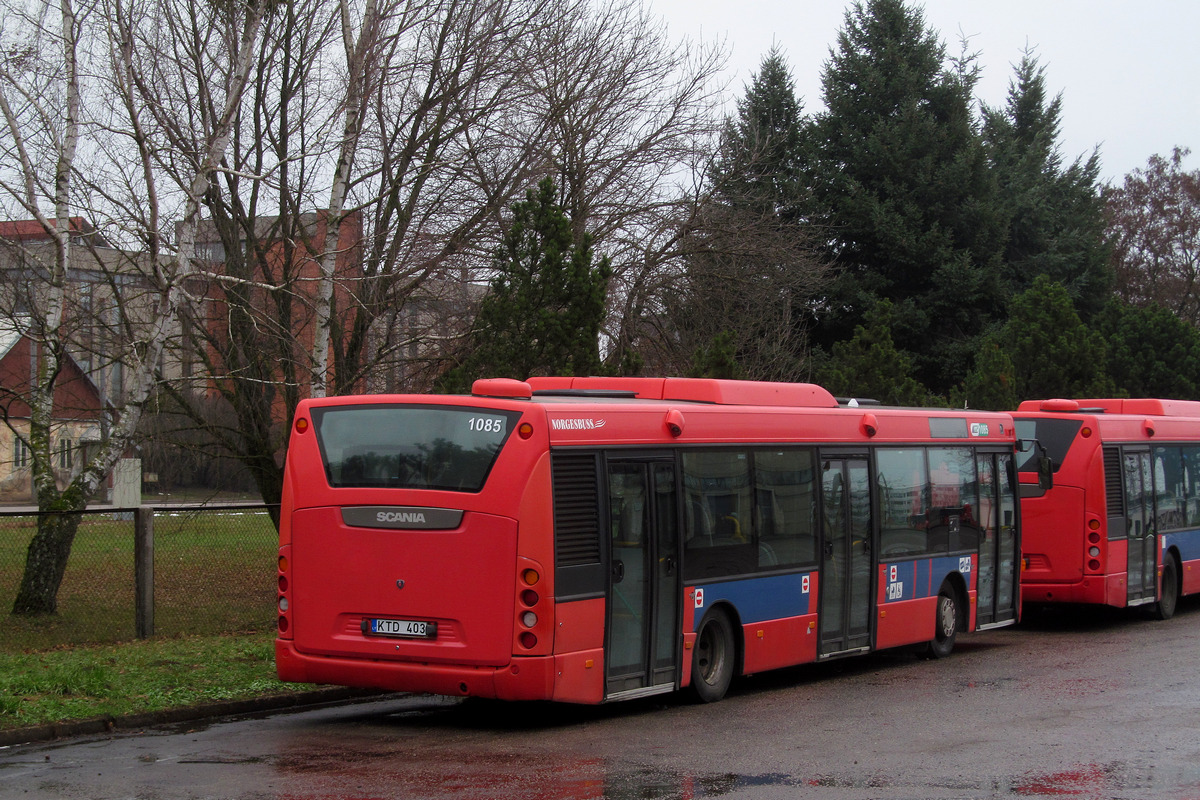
65,452
21,454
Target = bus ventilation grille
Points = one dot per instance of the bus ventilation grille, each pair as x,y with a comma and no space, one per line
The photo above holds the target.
1113,482
576,510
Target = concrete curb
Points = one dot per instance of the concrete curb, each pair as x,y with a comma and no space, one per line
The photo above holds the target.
224,708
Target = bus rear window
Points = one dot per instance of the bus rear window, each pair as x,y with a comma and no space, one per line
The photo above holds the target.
411,447
1056,435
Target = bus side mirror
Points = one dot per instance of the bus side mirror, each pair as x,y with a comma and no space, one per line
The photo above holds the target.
1045,473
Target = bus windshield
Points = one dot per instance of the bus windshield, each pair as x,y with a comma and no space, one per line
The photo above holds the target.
409,446
1055,435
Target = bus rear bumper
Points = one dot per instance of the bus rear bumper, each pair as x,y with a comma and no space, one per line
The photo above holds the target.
526,678
1106,590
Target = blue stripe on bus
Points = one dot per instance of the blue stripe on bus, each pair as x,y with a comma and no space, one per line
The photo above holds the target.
760,599
923,577
1187,542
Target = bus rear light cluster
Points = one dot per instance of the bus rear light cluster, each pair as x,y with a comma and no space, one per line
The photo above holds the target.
527,608
283,602
1092,539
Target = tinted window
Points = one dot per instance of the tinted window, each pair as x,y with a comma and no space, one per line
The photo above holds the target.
1056,435
410,447
1191,480
903,502
785,508
1170,489
954,499
718,514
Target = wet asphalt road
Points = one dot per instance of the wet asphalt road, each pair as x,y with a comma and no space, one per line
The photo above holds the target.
1092,705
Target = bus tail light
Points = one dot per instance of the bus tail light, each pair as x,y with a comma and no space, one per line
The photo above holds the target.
1093,546
283,599
533,632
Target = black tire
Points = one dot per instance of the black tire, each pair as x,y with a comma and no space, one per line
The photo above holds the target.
714,657
1165,607
945,624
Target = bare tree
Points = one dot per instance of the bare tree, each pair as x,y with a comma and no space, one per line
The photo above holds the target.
370,160
747,280
632,116
76,115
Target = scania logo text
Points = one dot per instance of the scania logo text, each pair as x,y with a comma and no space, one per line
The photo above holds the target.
401,516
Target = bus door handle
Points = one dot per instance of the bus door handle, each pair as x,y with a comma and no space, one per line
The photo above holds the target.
668,566
618,571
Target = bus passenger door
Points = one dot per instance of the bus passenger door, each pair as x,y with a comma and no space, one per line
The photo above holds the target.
1142,569
999,568
644,590
846,568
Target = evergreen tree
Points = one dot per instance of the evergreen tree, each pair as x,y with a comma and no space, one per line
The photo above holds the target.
868,365
1054,214
1054,354
546,305
991,385
762,149
1151,352
900,180
717,359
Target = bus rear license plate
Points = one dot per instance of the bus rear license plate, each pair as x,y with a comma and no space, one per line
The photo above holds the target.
404,628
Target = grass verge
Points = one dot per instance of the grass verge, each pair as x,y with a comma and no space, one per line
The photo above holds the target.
135,677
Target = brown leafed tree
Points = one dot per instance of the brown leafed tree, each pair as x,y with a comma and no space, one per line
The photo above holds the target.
1153,226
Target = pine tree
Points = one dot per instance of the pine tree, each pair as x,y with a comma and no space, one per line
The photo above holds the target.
1054,214
1054,354
762,149
1151,351
901,183
991,385
546,305
868,365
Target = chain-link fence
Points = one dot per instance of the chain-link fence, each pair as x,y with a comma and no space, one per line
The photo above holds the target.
213,572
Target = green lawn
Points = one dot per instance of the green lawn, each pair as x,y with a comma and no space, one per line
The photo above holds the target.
214,619
135,677
214,572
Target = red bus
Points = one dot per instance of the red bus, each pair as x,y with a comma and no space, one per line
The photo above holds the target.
591,539
1121,524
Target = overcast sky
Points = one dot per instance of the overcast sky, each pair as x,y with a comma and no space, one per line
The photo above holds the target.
1129,72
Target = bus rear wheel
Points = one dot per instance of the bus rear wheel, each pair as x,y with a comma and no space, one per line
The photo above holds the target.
713,658
1165,607
945,624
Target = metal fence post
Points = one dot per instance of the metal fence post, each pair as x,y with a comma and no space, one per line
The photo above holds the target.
143,568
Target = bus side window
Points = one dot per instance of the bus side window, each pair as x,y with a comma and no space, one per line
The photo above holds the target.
1191,479
904,502
719,514
784,492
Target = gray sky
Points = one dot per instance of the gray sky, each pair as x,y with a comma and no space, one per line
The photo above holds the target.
1129,72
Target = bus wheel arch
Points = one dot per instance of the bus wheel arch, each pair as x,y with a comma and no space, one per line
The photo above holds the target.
1169,587
716,654
949,617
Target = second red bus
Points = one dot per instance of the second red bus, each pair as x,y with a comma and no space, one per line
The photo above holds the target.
1121,524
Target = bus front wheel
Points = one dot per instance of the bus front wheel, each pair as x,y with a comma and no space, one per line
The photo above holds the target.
713,658
945,624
